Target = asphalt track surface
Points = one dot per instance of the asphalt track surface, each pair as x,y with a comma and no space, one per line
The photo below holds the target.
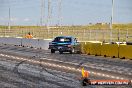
22,67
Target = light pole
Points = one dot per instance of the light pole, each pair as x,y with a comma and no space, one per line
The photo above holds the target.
49,14
59,12
9,27
42,12
111,21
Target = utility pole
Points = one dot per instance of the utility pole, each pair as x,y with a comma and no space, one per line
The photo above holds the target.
42,13
49,17
59,13
49,13
111,21
127,36
9,27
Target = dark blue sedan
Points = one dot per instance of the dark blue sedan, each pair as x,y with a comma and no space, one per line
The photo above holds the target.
65,44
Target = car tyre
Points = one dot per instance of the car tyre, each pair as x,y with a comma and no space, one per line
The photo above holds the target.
72,51
61,52
52,51
78,52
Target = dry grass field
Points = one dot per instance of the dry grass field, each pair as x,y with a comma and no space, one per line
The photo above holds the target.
120,32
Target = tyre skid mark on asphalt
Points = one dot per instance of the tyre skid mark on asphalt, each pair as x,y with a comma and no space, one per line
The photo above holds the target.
14,80
24,60
83,56
110,68
58,66
107,66
21,75
102,67
7,85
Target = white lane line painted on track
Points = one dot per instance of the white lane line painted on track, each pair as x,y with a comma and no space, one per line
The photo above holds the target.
79,70
122,78
93,65
92,72
113,77
99,74
103,74
65,67
59,61
117,78
107,76
130,73
73,68
60,66
53,65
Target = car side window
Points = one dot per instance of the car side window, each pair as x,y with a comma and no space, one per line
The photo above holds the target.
75,40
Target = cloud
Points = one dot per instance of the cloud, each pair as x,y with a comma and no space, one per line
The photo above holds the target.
3,18
26,19
14,19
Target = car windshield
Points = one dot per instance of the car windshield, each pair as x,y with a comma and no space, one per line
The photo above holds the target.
62,39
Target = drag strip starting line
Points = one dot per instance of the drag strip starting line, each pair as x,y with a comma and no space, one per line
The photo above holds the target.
59,66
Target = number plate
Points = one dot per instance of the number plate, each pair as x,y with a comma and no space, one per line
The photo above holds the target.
59,47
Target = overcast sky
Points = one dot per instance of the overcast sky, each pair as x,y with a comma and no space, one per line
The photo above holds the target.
74,12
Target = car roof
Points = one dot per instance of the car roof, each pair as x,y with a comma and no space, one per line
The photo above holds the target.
65,36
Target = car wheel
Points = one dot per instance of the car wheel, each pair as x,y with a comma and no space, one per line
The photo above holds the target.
52,51
72,51
78,52
61,52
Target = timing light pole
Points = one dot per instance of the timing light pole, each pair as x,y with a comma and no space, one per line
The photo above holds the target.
9,26
49,14
111,21
42,12
59,13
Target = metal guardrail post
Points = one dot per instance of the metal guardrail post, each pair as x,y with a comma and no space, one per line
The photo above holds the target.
127,36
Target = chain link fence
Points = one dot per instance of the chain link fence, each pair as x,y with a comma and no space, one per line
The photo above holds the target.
124,35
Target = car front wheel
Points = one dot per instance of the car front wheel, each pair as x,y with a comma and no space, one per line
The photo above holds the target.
52,51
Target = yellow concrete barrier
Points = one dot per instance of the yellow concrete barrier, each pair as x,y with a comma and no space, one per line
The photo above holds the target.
88,45
95,48
83,47
113,51
125,51
92,47
110,50
104,50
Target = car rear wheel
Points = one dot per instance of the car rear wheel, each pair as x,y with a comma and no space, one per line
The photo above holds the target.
61,52
78,52
72,51
52,51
